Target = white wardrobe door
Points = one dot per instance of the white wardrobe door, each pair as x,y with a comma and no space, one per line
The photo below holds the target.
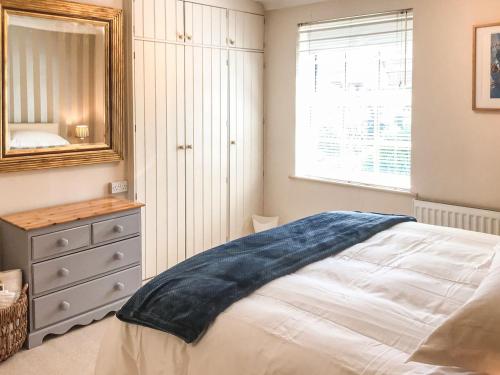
176,199
219,26
205,25
253,34
246,30
206,153
246,140
159,163
219,142
139,146
145,157
194,137
159,19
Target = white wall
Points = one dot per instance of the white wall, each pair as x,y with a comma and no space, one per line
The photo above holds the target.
28,190
456,152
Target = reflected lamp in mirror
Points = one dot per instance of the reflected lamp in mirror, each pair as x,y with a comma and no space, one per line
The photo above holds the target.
82,132
63,65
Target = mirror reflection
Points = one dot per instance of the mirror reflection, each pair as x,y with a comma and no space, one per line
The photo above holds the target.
56,84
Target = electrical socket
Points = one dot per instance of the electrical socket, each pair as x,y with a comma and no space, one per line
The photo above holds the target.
118,187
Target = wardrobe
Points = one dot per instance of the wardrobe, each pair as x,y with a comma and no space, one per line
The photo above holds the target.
198,125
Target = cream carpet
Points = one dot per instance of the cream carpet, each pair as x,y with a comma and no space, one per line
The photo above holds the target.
73,353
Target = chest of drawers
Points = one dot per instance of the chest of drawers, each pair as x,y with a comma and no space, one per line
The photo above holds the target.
81,261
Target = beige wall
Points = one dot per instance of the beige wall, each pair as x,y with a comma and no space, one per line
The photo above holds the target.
27,190
456,152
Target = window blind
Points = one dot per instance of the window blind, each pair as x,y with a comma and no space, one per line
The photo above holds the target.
354,93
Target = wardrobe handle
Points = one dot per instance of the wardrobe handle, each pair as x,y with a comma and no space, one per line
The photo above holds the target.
180,36
180,147
233,142
231,41
188,37
189,147
119,286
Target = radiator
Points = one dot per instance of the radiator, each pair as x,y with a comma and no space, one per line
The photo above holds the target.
457,217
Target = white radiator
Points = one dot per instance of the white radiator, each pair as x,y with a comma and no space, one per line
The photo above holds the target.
457,217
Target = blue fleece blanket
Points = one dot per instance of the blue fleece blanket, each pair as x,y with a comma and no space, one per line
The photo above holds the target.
187,298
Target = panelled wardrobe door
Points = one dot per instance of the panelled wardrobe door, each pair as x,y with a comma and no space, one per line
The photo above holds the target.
160,19
245,30
139,139
246,140
159,159
206,150
205,25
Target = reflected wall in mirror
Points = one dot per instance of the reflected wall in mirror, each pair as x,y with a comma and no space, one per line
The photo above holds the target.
62,83
56,83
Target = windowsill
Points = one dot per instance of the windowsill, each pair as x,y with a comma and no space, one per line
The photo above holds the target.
355,185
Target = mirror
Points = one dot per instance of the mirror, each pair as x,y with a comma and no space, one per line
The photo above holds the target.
63,81
56,85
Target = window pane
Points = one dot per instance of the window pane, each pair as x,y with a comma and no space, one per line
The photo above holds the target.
354,100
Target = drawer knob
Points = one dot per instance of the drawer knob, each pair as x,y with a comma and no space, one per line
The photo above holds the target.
63,242
119,286
118,228
119,255
63,272
64,305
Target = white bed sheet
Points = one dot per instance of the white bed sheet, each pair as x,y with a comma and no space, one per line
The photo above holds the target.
360,312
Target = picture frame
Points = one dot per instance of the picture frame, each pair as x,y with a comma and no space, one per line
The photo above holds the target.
486,67
114,97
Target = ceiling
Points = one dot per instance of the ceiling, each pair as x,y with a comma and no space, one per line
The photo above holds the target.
277,4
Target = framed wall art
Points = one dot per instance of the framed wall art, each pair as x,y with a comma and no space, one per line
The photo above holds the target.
486,72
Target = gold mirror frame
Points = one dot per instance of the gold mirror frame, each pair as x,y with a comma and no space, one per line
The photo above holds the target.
115,85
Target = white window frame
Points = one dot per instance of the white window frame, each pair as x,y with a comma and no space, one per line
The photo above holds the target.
297,174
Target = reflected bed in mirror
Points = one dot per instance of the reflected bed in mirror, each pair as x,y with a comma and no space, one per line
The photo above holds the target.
34,136
62,83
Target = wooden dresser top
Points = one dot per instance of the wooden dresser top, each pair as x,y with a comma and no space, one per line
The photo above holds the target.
45,217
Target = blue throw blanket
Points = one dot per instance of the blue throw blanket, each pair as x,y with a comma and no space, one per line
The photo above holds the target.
187,298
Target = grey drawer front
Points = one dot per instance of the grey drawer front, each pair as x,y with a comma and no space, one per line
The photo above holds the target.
60,242
62,305
72,268
113,229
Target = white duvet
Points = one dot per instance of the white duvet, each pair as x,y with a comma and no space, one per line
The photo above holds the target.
28,139
360,312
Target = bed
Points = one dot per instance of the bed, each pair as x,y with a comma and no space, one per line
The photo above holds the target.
362,311
34,136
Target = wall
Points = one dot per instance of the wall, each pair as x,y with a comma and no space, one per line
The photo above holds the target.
455,154
34,189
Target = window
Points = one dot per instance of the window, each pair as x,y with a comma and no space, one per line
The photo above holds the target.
354,91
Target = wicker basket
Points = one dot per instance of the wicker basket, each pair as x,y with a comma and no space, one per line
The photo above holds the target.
13,326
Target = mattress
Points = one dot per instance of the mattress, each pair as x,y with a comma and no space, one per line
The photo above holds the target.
359,312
